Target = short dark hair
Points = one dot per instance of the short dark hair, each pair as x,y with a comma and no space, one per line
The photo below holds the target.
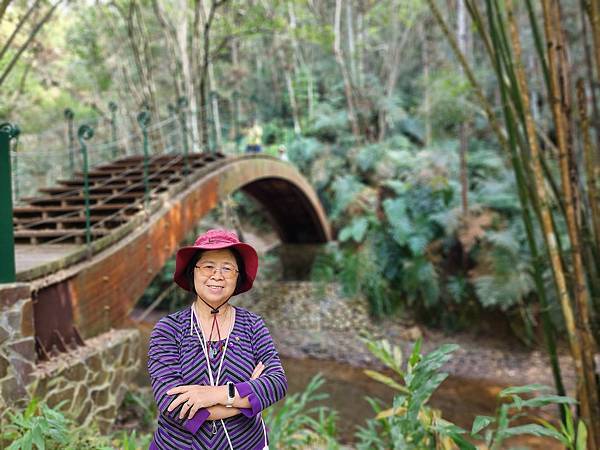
189,270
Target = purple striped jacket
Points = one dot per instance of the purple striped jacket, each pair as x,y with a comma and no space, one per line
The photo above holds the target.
175,358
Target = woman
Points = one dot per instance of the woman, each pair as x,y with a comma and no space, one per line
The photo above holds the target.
214,367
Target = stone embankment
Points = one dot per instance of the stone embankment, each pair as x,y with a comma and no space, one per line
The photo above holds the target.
90,380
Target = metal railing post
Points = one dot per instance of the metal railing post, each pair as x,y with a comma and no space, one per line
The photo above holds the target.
7,237
15,170
172,139
69,116
85,133
112,106
143,119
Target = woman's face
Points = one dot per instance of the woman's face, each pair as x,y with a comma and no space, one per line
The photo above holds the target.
215,276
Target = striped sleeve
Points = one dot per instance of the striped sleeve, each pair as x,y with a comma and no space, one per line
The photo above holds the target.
272,385
164,370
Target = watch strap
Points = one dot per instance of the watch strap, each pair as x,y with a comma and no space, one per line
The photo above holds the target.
230,394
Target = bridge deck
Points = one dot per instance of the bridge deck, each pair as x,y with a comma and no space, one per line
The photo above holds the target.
28,257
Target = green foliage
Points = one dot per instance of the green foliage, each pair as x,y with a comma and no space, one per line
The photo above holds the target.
296,423
514,402
403,240
412,424
35,426
329,124
509,273
43,428
303,151
572,433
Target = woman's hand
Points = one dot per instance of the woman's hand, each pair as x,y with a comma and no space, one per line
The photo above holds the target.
257,370
196,396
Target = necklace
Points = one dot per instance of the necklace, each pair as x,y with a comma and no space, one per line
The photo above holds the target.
215,347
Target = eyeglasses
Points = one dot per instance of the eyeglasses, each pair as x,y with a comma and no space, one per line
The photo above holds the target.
207,269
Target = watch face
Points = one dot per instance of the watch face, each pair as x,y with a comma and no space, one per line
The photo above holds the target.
231,390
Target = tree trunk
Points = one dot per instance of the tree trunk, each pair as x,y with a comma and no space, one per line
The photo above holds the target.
215,106
425,57
186,72
391,68
360,48
339,57
350,34
463,38
173,48
205,17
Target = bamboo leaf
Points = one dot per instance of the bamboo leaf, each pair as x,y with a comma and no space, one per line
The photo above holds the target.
386,380
581,443
480,423
390,412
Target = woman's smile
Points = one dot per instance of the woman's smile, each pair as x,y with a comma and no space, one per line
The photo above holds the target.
215,289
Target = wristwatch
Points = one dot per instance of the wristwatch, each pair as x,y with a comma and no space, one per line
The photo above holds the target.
230,394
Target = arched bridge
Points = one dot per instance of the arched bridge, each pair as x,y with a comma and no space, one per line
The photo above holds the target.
95,287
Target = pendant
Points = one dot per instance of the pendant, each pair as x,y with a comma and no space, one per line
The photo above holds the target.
213,351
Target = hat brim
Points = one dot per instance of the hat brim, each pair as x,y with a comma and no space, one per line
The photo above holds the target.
247,253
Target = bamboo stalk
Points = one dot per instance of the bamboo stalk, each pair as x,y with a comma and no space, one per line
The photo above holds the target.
592,165
594,14
510,147
542,198
587,387
593,195
589,66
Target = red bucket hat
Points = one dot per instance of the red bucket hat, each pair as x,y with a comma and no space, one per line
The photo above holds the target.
214,240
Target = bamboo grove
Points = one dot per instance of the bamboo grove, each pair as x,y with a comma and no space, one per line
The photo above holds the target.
557,178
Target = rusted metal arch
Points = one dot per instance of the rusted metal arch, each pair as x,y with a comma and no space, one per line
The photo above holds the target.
101,292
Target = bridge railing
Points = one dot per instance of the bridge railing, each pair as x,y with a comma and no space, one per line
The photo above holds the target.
43,159
37,165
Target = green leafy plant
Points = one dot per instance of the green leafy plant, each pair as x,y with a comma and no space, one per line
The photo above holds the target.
412,424
514,404
35,426
43,428
296,424
573,433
